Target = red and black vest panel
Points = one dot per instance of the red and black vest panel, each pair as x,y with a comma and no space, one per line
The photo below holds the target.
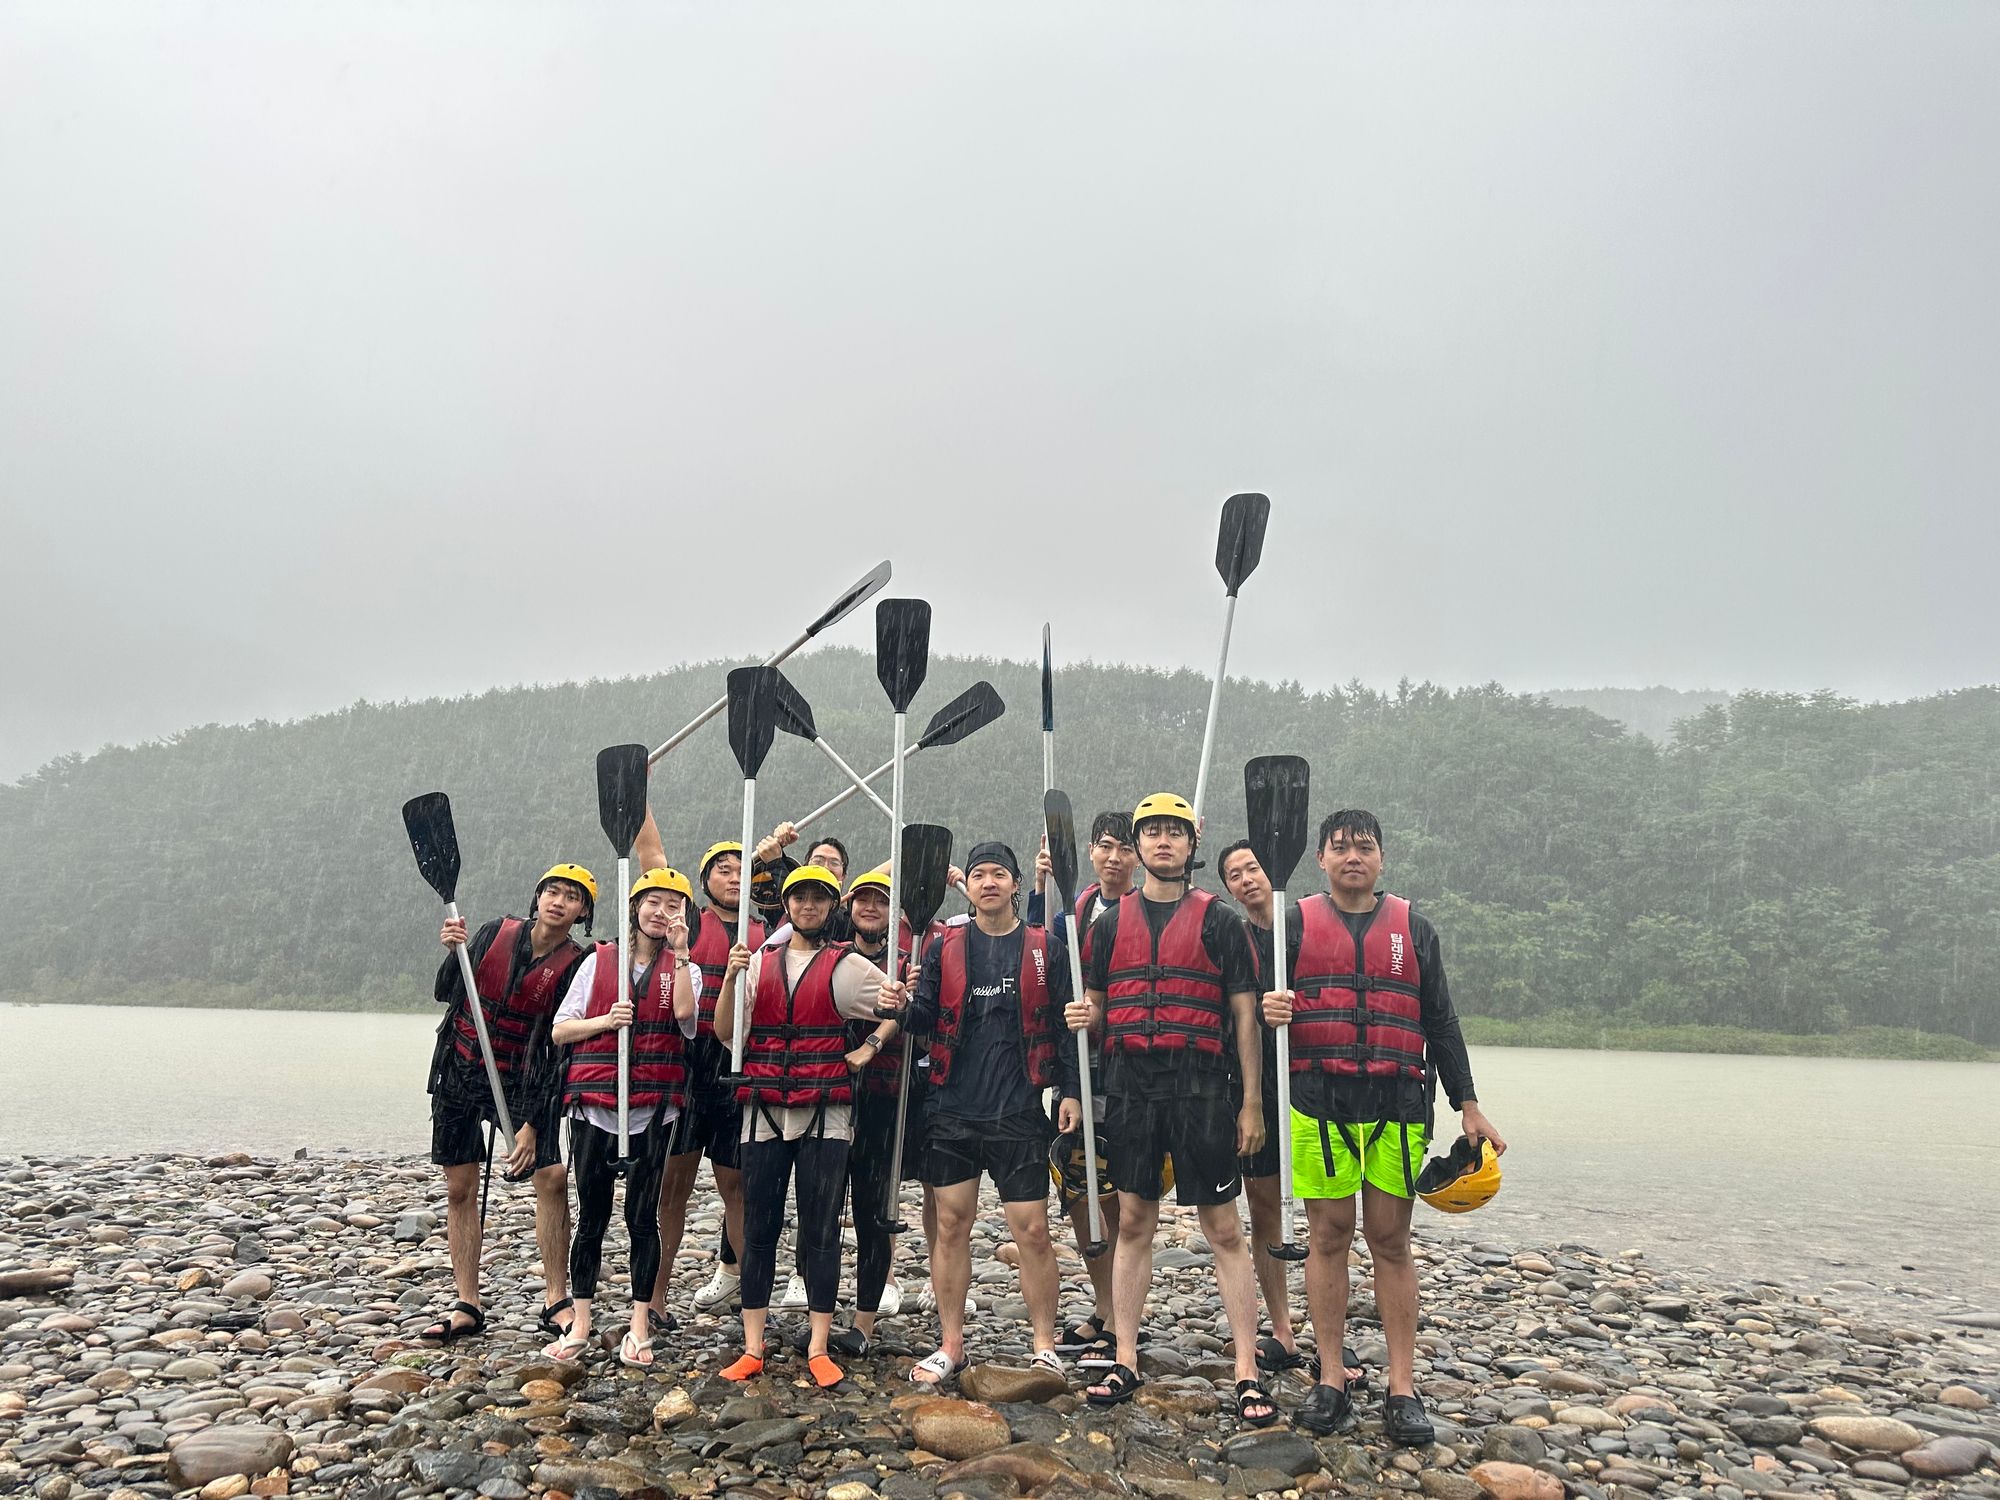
1038,1028
1076,922
659,1051
883,1073
710,953
796,1053
1165,996
512,1016
1357,1013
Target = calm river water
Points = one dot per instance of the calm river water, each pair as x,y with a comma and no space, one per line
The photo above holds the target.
1808,1171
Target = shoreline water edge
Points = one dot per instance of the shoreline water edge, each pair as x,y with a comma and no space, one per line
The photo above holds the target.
233,1324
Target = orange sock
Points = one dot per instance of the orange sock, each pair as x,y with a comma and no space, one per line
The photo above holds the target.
746,1368
825,1373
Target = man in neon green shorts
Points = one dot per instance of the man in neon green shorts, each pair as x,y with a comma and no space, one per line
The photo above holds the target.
1373,1030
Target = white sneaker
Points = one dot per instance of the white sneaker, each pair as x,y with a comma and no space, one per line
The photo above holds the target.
927,1301
892,1299
795,1292
721,1289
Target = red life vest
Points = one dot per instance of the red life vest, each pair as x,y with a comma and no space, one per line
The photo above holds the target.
882,1074
512,1015
1082,928
796,1053
1357,1013
1038,1029
659,1052
710,952
1165,996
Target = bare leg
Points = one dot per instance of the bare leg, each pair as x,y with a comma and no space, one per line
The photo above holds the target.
1331,1224
729,1188
1385,1222
1236,1280
676,1187
1029,1225
1098,1270
461,1228
1265,1231
1132,1272
552,1229
951,1262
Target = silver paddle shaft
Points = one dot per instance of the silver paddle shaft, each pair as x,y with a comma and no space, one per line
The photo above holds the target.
1214,704
479,1025
743,904
1279,966
625,1029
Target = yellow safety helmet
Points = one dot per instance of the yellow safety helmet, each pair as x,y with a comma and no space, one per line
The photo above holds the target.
1163,805
813,875
575,875
716,851
1464,1178
873,880
662,879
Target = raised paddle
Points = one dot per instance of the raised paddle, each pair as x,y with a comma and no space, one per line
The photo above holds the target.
902,658
924,863
1238,547
621,811
864,587
795,716
1048,714
1060,825
434,841
1276,790
972,710
753,721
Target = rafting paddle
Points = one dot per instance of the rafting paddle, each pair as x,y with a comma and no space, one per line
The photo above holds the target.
1276,790
1238,547
434,840
795,716
864,587
1048,715
753,721
1060,826
902,658
924,865
972,710
621,811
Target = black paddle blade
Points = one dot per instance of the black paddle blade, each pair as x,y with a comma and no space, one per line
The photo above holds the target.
1048,685
1276,790
434,841
867,585
972,710
1288,1250
1240,545
902,648
925,874
1060,826
621,794
795,715
753,716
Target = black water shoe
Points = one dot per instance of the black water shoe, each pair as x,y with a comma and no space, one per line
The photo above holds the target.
1405,1424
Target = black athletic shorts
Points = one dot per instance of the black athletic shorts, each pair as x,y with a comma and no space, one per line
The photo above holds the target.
1197,1129
459,1118
1013,1151
711,1124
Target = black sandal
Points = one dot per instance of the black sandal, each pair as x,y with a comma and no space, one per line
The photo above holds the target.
548,1318
448,1328
1354,1374
1083,1334
1251,1393
658,1322
1273,1358
1119,1386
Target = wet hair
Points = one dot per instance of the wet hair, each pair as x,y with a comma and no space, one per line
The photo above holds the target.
1353,822
836,846
1117,824
1239,847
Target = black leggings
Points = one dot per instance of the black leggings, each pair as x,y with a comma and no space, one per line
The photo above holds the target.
768,1170
868,1170
592,1155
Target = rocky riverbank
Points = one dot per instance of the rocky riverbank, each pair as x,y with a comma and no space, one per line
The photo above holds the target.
243,1325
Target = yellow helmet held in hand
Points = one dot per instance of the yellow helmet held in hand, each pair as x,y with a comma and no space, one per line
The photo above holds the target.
813,875
1464,1178
1163,805
715,852
869,880
575,875
662,879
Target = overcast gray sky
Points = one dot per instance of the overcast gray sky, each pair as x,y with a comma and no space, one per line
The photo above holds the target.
383,350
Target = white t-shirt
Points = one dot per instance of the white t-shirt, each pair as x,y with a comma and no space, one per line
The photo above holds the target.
857,984
577,1002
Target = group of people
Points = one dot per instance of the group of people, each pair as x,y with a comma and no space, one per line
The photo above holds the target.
873,1056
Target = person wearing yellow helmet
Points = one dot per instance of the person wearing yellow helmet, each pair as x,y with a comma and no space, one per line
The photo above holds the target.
797,1088
660,1018
1373,1032
710,1125
522,968
1170,986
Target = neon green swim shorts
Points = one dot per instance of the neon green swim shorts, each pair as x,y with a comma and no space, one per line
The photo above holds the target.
1384,1148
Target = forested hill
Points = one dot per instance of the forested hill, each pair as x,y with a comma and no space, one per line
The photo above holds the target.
1789,864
